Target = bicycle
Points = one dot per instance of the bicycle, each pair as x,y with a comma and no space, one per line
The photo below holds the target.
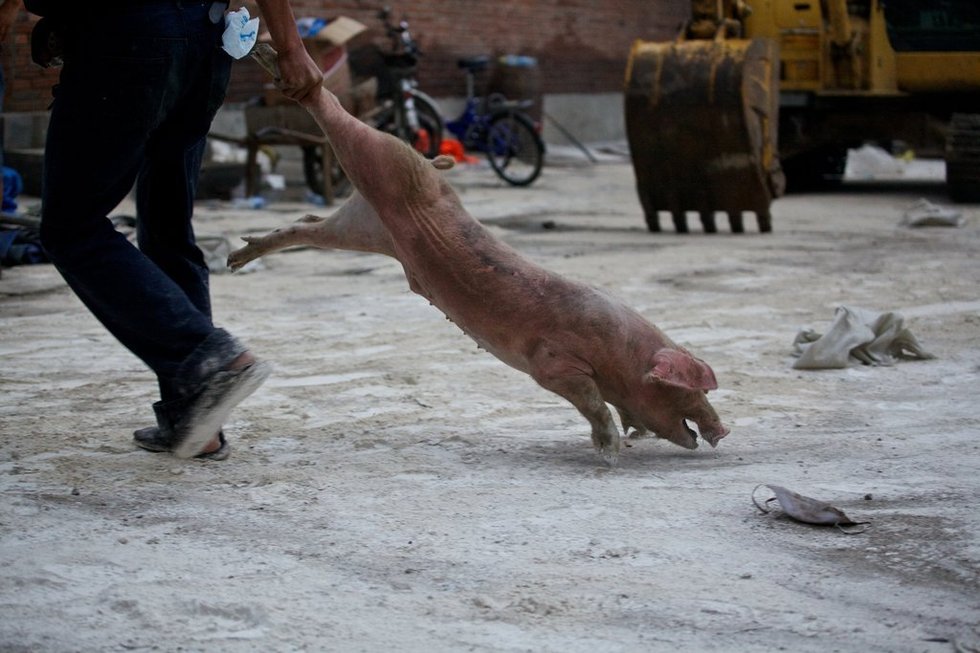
405,111
402,109
499,128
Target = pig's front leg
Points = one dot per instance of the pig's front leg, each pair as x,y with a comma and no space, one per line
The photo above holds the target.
630,422
578,388
583,393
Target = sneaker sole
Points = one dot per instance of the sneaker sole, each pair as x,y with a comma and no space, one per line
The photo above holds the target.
144,439
225,391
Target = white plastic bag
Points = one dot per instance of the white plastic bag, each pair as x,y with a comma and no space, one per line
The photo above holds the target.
240,33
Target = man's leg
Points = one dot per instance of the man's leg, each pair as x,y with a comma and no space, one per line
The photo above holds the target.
123,78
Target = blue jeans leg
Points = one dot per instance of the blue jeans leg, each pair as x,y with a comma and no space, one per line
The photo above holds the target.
134,103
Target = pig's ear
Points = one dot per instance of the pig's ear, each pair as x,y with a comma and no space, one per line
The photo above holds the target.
678,368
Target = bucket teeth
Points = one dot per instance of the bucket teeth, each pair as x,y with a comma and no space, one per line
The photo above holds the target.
701,118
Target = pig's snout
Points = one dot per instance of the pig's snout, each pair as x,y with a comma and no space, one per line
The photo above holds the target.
708,424
711,431
713,436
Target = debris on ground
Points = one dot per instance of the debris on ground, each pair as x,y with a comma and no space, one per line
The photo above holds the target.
857,335
805,509
927,214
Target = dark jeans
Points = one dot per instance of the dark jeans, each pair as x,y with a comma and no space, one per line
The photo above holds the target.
140,85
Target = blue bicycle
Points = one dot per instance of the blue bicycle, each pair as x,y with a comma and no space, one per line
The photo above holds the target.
499,128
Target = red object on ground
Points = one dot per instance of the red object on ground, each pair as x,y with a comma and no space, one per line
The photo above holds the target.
422,144
453,148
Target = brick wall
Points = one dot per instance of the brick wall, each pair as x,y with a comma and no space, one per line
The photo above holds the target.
581,45
28,87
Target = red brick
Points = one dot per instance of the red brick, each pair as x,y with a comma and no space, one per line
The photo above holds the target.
581,45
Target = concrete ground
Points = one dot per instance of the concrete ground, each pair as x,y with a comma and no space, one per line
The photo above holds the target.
394,488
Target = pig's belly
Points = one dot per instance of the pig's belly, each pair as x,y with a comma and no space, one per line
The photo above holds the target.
504,313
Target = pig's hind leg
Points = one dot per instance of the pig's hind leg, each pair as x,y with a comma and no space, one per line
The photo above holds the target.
355,226
256,246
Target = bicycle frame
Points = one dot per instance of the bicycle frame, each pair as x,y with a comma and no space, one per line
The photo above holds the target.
405,111
500,129
471,125
411,97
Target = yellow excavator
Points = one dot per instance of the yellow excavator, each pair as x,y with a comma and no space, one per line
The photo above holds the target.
755,96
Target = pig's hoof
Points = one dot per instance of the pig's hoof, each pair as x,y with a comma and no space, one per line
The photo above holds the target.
608,455
241,256
714,438
236,262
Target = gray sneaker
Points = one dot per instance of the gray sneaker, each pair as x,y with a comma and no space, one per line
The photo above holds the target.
212,405
152,439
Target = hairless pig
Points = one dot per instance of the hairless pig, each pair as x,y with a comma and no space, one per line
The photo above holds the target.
571,338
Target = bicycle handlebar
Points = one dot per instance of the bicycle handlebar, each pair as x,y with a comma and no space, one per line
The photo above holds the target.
401,39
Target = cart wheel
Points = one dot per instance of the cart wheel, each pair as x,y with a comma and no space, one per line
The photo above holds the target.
313,171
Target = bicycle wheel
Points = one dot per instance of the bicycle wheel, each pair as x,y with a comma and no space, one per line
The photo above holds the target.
514,148
430,122
313,172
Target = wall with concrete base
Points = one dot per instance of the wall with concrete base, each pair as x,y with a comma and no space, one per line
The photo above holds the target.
586,117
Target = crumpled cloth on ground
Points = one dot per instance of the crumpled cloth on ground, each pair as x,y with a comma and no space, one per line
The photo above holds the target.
926,214
857,335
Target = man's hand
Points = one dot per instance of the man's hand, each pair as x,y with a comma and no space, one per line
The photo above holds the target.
299,75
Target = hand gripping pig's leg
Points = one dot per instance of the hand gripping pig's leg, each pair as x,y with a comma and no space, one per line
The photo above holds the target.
362,150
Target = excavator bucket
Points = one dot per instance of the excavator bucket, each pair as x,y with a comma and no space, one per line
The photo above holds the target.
701,119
